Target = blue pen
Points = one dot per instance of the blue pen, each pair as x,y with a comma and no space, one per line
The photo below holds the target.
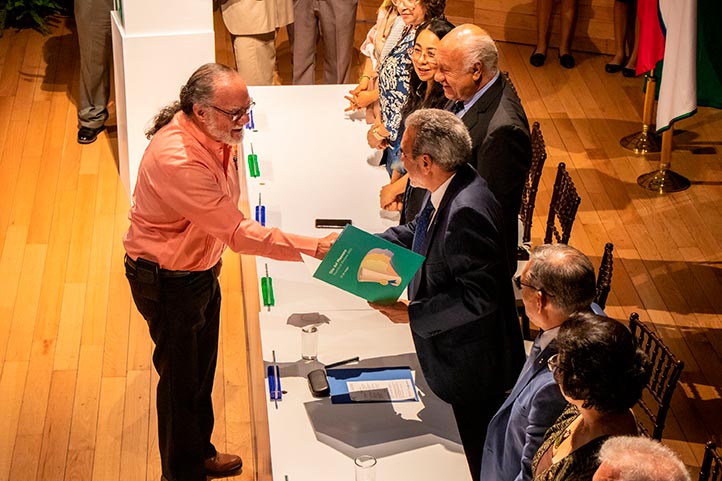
260,212
274,381
251,125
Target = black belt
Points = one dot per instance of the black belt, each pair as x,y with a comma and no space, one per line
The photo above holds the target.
161,272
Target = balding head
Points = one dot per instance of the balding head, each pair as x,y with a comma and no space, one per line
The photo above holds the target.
468,60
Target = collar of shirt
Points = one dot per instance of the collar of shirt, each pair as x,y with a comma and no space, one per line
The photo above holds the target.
477,96
438,194
547,337
216,147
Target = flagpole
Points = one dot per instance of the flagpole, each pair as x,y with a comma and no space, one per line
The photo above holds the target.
644,142
664,180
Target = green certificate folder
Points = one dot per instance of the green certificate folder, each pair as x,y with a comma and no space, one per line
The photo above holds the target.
368,266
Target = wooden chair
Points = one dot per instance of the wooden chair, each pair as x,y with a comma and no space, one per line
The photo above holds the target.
666,369
604,277
711,469
528,194
563,207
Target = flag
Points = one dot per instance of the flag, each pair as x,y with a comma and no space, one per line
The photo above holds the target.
651,40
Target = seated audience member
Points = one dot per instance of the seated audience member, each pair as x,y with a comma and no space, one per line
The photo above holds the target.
486,102
394,75
461,312
601,373
335,21
557,281
424,93
636,458
385,32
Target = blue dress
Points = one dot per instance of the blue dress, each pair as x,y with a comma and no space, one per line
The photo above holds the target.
394,75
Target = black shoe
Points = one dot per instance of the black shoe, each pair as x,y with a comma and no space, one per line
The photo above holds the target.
613,68
537,59
86,135
629,72
567,61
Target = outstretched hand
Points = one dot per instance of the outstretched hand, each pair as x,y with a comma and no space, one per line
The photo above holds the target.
398,312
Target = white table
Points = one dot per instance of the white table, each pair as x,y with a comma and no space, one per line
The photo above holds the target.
313,164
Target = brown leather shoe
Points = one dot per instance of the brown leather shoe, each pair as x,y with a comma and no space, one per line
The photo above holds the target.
222,464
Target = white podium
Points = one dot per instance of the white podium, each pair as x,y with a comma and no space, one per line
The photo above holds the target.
156,47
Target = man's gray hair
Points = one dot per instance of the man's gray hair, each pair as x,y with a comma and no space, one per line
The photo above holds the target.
480,48
635,458
442,136
198,90
565,274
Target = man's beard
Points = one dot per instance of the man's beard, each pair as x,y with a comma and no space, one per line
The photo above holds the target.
222,135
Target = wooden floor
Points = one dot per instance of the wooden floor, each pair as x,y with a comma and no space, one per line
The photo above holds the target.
76,381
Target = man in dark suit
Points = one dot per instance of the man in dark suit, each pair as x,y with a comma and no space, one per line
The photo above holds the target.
461,310
485,100
557,281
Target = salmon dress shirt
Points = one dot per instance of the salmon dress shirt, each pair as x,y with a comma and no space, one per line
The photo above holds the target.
185,205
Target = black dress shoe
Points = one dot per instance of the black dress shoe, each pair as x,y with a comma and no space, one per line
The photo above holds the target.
613,68
629,72
567,61
537,59
86,135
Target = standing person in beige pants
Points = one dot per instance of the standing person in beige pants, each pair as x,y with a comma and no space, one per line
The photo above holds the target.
335,20
253,25
92,19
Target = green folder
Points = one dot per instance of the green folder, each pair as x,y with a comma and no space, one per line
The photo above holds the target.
368,266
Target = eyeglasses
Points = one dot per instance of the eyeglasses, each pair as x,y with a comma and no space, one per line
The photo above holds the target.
413,3
518,283
417,52
238,114
553,363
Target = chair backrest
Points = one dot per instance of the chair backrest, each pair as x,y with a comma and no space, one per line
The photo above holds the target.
511,84
604,277
665,368
528,194
711,469
563,207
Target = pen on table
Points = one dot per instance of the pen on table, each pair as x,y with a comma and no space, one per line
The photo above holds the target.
253,169
260,212
267,290
251,124
341,363
276,381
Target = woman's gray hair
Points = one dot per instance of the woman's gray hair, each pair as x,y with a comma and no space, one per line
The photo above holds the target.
480,48
198,90
442,136
636,458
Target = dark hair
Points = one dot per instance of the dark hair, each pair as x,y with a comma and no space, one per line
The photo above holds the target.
565,274
198,90
599,363
433,8
417,99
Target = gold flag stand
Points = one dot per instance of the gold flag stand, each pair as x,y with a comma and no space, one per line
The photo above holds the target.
644,142
664,180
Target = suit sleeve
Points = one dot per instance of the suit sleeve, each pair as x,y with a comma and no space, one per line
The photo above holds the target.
402,235
467,289
545,408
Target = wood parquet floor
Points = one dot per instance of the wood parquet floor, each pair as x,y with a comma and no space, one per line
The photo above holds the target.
76,380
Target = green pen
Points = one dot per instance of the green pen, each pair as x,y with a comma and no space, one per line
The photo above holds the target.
267,290
253,169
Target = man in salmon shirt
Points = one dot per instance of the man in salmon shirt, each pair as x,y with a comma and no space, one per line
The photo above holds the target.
184,215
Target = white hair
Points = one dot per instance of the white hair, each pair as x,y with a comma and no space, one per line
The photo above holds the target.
636,458
481,48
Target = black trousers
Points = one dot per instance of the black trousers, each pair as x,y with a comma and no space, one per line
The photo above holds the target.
183,316
473,421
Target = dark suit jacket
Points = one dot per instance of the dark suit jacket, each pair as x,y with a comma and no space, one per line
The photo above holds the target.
462,310
517,430
501,152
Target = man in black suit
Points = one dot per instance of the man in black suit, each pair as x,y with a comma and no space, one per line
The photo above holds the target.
461,310
485,100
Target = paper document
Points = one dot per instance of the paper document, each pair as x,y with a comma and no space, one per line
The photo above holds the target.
383,390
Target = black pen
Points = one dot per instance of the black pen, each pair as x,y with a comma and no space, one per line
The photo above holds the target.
341,363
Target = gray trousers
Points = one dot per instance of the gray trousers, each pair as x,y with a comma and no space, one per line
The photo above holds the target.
92,18
335,20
